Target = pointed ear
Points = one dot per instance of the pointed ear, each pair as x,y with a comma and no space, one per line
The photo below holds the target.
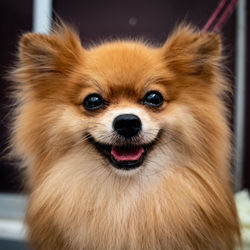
191,52
42,55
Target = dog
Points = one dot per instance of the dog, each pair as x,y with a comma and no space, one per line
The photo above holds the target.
125,144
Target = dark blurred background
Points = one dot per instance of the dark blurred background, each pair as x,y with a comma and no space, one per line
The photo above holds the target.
101,20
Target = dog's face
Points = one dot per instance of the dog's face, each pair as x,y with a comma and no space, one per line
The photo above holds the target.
124,105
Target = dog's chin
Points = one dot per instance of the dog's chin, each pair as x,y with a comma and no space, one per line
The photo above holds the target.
125,157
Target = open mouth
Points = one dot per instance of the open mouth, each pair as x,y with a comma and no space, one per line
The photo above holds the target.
126,157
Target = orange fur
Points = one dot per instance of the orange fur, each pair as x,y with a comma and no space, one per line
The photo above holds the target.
181,198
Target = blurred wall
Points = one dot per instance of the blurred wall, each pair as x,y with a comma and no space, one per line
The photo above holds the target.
15,18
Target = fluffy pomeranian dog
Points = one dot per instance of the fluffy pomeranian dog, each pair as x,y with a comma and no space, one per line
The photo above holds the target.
125,144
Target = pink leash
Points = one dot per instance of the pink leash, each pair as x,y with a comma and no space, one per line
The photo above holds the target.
223,18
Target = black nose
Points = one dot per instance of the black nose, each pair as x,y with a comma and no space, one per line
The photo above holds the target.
127,125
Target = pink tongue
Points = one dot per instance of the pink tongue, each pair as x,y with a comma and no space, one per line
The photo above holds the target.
127,155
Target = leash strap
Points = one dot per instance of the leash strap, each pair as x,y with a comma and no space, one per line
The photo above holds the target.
224,15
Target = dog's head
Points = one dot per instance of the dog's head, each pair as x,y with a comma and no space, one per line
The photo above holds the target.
124,105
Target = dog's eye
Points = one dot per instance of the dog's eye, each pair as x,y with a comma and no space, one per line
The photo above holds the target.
153,99
93,102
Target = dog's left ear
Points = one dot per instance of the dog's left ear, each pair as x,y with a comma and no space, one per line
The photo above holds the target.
191,52
42,56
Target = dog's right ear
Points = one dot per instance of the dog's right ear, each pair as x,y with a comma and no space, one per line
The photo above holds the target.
192,52
42,55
